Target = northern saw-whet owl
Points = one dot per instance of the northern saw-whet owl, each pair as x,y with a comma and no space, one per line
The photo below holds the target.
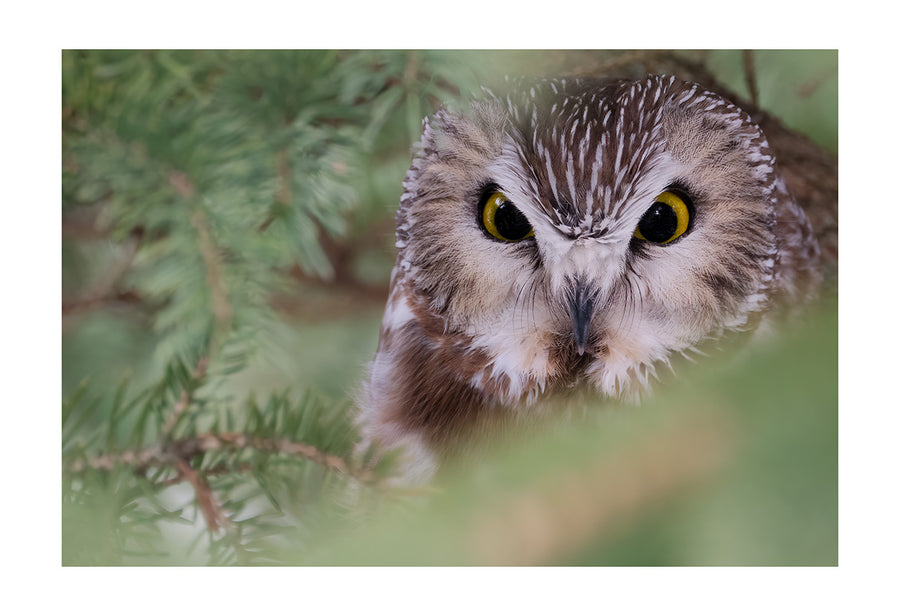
573,232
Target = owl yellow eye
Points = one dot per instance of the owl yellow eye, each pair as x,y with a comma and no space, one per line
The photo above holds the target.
504,220
666,220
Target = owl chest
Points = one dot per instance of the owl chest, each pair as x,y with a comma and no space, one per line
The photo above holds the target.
444,385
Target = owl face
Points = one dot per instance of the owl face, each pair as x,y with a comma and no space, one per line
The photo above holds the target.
591,228
572,231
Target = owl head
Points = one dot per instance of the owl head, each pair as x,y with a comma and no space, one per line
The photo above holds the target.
575,231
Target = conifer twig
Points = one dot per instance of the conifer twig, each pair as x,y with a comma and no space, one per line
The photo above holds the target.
189,447
216,471
213,513
215,278
187,396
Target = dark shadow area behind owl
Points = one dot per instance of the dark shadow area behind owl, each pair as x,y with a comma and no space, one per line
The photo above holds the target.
228,237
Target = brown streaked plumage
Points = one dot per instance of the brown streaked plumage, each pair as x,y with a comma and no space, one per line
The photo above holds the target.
481,326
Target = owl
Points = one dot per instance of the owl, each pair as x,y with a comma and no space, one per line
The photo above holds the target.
573,233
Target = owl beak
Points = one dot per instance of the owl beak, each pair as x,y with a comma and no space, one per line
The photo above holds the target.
581,308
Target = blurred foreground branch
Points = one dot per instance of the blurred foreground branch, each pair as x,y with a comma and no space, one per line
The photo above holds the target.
553,519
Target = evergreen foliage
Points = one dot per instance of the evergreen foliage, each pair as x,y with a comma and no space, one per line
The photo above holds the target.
218,172
205,194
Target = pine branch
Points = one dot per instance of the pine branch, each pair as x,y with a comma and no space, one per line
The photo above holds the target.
217,471
212,510
187,396
187,448
283,195
221,306
214,514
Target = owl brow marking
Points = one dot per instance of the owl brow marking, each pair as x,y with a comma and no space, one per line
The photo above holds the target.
583,146
551,177
570,176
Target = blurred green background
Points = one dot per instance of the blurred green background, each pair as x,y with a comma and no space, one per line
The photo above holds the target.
238,205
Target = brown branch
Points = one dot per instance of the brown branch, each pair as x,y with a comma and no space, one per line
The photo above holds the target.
284,194
212,510
187,396
189,447
141,459
214,514
411,70
749,61
179,453
216,471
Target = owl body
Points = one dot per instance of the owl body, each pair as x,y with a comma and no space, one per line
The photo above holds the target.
573,232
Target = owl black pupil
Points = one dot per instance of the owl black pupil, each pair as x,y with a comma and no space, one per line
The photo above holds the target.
659,223
510,222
